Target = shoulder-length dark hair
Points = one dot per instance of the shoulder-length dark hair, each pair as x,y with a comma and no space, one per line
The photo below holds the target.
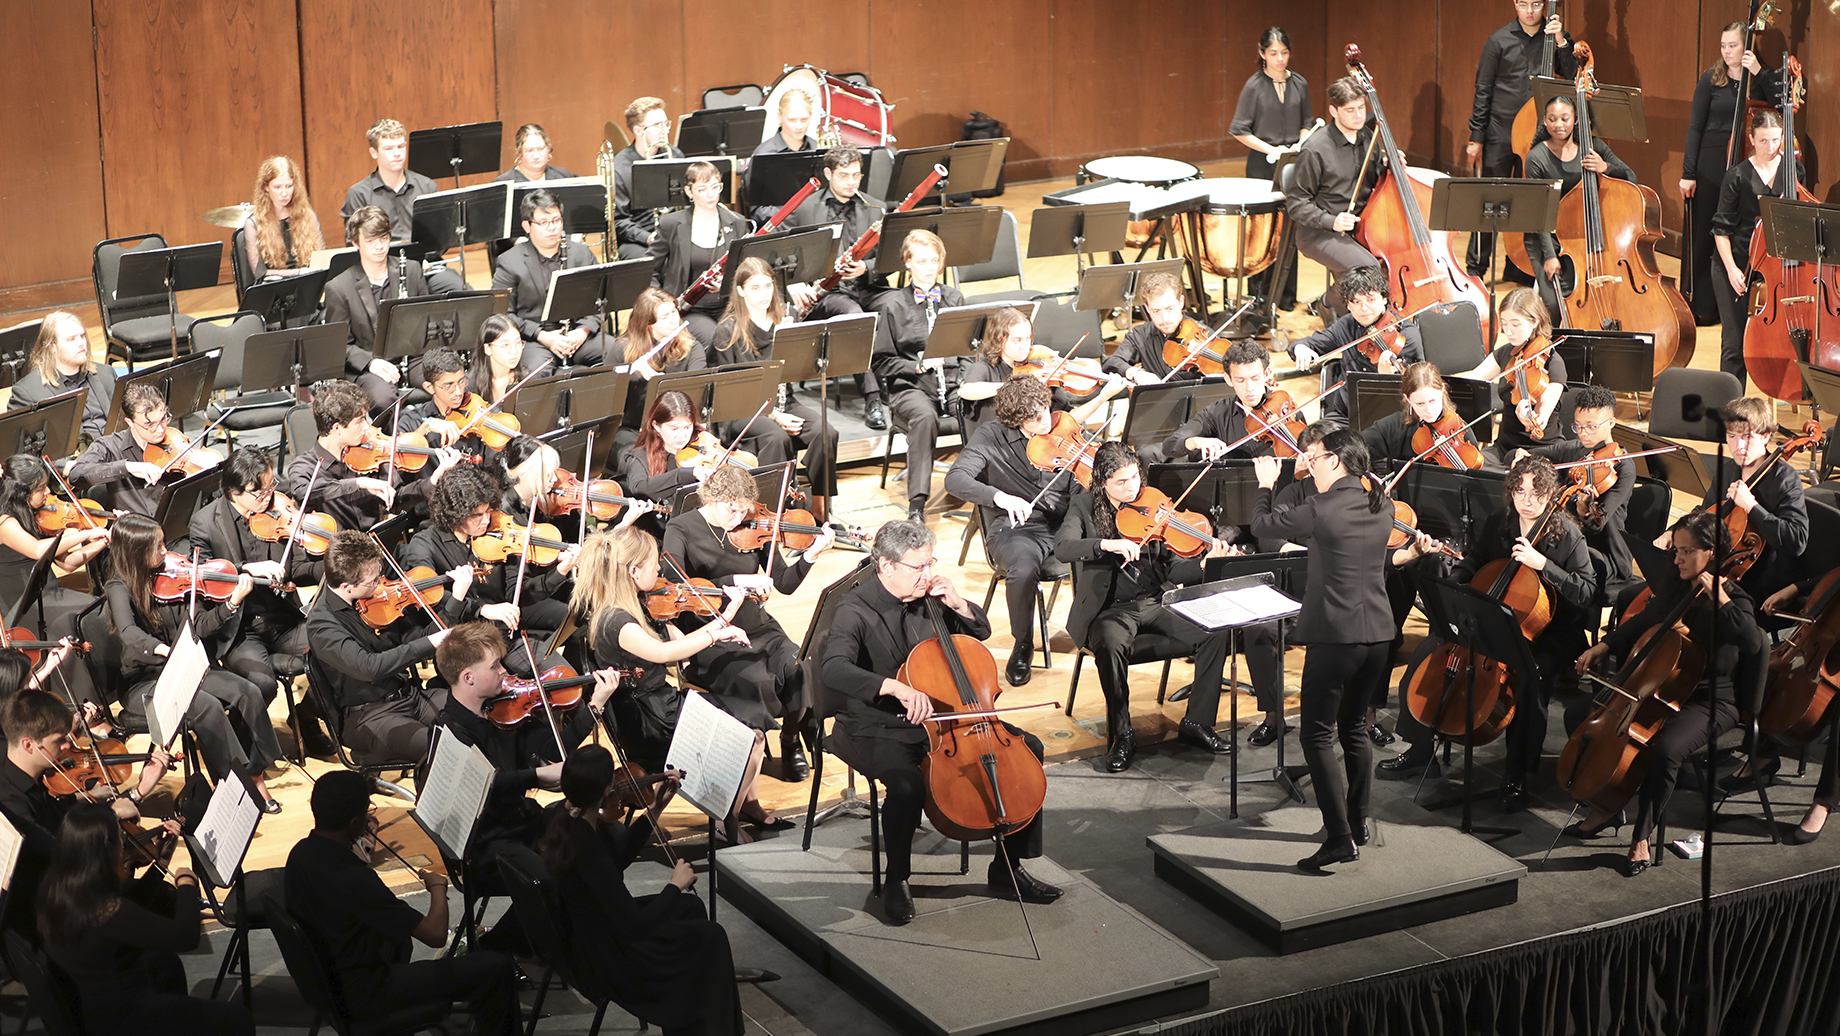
741,333
1545,483
1111,458
479,377
21,476
586,776
669,406
82,886
132,542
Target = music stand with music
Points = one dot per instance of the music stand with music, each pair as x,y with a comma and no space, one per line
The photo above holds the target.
294,358
658,183
594,394
803,256
50,429
1076,230
768,478
733,132
1156,411
287,301
1477,204
461,217
36,581
169,271
1374,396
1452,504
182,499
571,446
1683,470
456,151
1621,361
1115,286
185,385
16,345
1615,111
1824,387
407,328
969,234
602,289
971,166
824,349
775,177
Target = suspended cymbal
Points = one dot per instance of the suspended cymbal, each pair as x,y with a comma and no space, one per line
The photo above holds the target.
231,216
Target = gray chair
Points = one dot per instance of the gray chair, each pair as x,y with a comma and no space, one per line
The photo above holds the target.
299,433
1453,340
138,329
1005,260
247,410
743,95
1675,387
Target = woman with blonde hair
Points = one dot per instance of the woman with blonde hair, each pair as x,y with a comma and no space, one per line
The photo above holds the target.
1524,323
281,233
61,362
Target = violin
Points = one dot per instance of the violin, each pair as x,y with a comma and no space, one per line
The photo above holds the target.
58,515
1446,444
1081,376
707,451
1405,530
411,452
1746,545
315,534
216,580
518,698
1802,679
1594,480
1528,377
604,496
477,417
394,597
20,639
1066,445
1188,349
1383,337
797,530
542,543
1153,516
632,788
667,600
1280,421
981,780
175,447
81,769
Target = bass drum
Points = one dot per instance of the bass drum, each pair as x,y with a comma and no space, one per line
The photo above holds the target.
1148,170
854,113
1238,232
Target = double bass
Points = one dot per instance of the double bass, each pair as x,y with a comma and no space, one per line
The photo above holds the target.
1419,262
1608,229
1784,293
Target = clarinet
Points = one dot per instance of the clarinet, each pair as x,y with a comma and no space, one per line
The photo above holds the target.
562,263
939,375
402,276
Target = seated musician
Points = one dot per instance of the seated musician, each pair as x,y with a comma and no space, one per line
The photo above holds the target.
335,894
393,187
1710,708
1207,435
531,145
1526,423
25,486
498,361
650,466
760,681
650,130
449,386
1825,801
1009,339
1425,400
1602,516
383,711
38,729
691,240
842,200
1364,289
1555,157
526,269
531,471
794,119
282,231
1139,355
745,335
149,627
341,415
1510,57
459,510
994,472
671,965
61,363
911,384
353,297
1117,613
118,461
1324,197
121,956
878,731
656,342
1554,550
271,622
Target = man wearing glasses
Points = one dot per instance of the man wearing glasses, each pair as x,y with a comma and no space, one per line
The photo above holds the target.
842,201
650,129
525,271
116,462
1512,54
1601,515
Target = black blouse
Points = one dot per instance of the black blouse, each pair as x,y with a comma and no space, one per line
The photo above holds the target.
1740,206
1261,114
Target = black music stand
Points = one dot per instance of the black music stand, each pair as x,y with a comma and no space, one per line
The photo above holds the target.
16,345
1800,231
183,498
735,132
959,330
185,385
824,349
602,289
1615,111
50,429
767,481
571,445
338,260
971,166
1078,229
289,301
1682,470
1621,361
594,394
169,271
1452,504
35,587
730,394
1374,396
463,216
295,357
802,256
1495,205
1156,411
1469,618
456,151
407,328
1115,286
658,183
969,234
1824,387
1223,490
583,200
775,177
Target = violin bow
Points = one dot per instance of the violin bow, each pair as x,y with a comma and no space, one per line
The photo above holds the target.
1263,427
779,518
730,451
587,458
1438,444
488,409
1530,357
410,583
683,578
1376,332
1618,457
69,493
549,709
193,443
300,514
395,429
192,607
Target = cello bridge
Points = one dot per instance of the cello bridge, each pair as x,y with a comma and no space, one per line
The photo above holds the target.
1422,281
1794,300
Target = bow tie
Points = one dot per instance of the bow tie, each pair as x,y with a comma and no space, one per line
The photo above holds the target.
925,295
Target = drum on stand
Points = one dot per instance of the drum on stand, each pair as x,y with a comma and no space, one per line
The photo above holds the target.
1148,170
854,114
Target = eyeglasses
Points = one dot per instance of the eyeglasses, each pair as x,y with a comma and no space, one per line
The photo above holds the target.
1581,426
1308,460
922,567
648,127
553,223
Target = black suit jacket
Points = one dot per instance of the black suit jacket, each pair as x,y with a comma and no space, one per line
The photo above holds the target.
520,271
671,250
1096,571
1346,601
348,297
870,637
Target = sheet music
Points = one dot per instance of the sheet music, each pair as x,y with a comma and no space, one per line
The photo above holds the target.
712,749
454,795
1230,609
10,841
179,680
222,836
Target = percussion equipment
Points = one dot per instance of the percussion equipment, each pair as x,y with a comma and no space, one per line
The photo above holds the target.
1237,232
231,216
840,110
1146,171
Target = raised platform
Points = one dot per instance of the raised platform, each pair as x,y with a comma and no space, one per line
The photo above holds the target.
1408,875
964,965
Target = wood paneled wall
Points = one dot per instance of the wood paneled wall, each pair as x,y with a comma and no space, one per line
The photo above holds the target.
128,117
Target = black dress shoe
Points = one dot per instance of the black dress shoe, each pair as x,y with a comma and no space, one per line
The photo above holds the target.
1201,737
1513,799
1033,891
1019,670
1407,766
1611,826
793,766
898,902
1631,868
1180,694
1118,760
1340,850
1797,836
916,512
877,415
755,975
1379,735
1362,833
1758,778
1264,734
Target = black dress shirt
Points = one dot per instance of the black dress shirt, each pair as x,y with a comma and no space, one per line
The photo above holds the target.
997,459
140,657
1508,58
1346,600
1511,434
353,298
706,553
1326,168
31,390
900,340
871,635
678,261
364,927
515,754
1260,113
1223,419
640,482
364,665
773,145
105,463
337,493
1543,164
1738,636
218,532
32,810
1741,196
1714,109
526,274
399,205
1346,329
1102,579
1142,347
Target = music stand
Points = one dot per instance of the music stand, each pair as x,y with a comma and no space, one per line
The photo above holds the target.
1615,111
169,271
571,445
183,498
1452,504
767,480
407,328
1223,490
50,429
1115,286
800,256
583,200
971,166
1469,618
338,260
658,183
601,289
1824,387
1373,396
959,330
730,394
456,151
1621,361
969,234
16,345
1799,231
1682,470
594,394
773,178
1075,230
295,357
722,131
186,385
35,587
461,217
285,301
824,349
1476,204
1156,411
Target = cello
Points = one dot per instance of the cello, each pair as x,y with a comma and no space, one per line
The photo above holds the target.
1419,262
1789,301
1803,676
1608,229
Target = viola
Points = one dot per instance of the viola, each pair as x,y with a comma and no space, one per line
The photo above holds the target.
1595,479
518,698
1153,516
477,417
1081,376
1188,348
1419,262
175,452
1802,677
1608,228
542,543
20,639
604,497
1278,422
707,451
1528,378
58,515
668,600
1066,445
393,597
632,788
410,449
81,770
1446,444
981,780
215,580
314,535
797,530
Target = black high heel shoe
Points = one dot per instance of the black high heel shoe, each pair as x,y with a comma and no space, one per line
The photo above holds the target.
1613,825
1759,777
1797,836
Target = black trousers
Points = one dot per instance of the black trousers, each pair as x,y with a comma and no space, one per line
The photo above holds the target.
249,747
1025,553
589,355
395,729
484,979
383,393
1145,631
1338,682
916,414
896,764
1734,314
264,635
772,444
1681,737
1705,205
1264,665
